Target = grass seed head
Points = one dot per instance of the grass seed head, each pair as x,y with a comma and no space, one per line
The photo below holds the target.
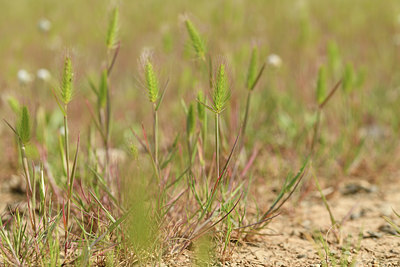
14,104
190,120
348,78
252,72
201,110
221,93
102,94
197,41
24,126
66,87
112,33
151,82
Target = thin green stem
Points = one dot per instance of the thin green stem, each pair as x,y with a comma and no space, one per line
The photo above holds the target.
66,146
155,136
28,183
217,143
332,218
316,131
246,115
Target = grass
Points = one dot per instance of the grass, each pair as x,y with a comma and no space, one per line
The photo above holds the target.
113,180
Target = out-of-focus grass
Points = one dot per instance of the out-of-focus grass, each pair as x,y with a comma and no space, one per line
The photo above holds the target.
299,32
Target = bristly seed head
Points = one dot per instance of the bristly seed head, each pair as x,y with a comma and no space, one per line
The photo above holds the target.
66,87
348,78
252,73
201,110
221,93
112,33
197,42
151,82
191,120
24,126
102,94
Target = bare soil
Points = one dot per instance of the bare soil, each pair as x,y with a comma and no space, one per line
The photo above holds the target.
289,239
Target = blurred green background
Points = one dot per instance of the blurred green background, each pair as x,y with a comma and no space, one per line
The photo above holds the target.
304,34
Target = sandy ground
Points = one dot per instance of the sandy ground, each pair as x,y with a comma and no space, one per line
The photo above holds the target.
288,240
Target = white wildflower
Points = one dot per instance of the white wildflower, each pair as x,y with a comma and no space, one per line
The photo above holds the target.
24,77
62,130
44,25
43,74
274,60
396,40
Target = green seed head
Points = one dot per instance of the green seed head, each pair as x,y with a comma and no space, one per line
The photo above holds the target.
66,87
252,73
197,42
321,85
333,57
24,126
201,110
102,94
348,78
151,82
221,93
112,34
190,120
14,104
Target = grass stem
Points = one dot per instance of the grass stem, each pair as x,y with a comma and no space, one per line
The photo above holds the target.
246,115
217,143
155,135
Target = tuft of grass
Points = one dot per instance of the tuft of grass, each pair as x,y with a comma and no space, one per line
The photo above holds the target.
346,256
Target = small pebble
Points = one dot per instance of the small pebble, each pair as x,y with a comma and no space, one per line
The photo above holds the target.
357,214
387,229
385,210
371,234
301,256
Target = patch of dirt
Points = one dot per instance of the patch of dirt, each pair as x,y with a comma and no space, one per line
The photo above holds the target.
288,240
